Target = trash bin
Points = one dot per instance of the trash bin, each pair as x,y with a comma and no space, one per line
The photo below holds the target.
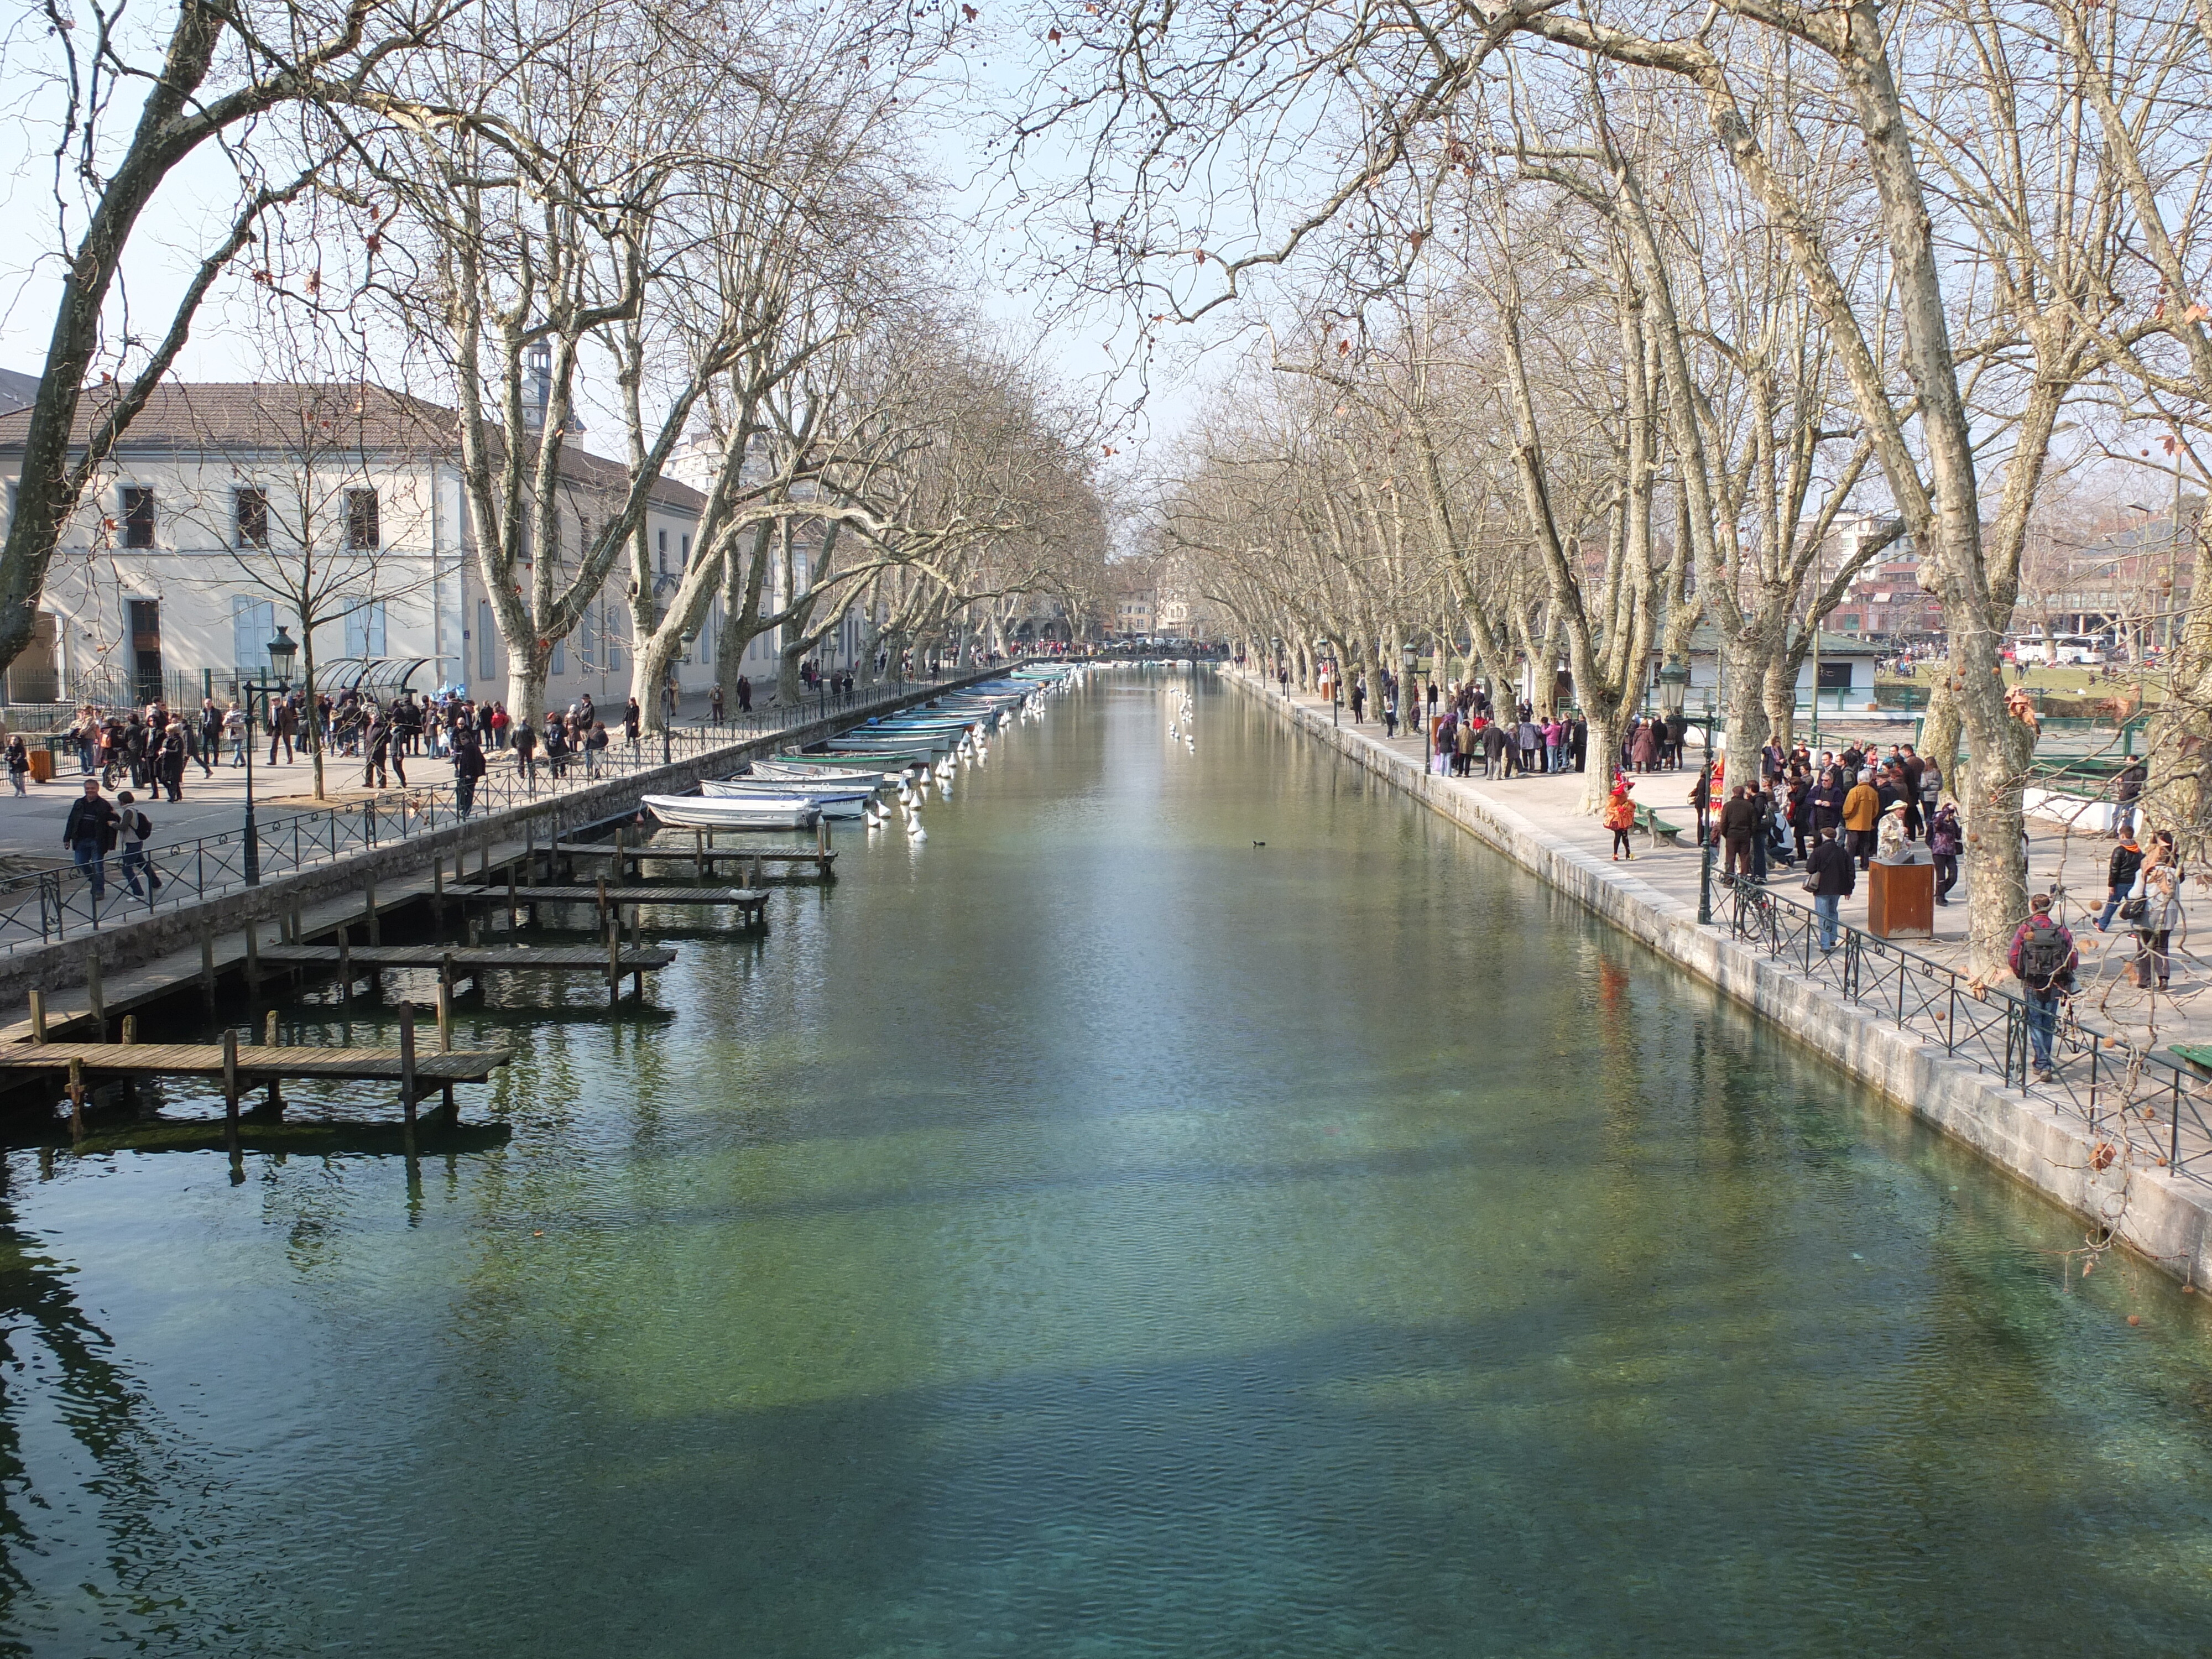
1901,898
42,764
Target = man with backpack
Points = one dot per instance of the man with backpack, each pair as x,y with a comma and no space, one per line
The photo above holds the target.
135,827
2044,959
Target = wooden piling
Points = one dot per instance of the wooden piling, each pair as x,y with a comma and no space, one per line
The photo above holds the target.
368,901
129,1029
345,964
230,1087
445,1012
269,1040
699,856
76,1101
37,1016
510,898
407,1070
603,903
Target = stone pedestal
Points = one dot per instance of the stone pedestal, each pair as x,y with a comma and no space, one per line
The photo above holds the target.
1901,900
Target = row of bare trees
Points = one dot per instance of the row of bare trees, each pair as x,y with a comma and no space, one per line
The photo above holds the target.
696,225
1586,324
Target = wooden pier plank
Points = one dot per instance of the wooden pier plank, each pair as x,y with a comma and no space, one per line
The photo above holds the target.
745,896
470,959
259,1060
686,855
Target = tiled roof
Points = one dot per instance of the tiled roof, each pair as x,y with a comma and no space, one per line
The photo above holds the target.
247,415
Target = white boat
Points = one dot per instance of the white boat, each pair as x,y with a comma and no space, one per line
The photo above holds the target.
841,776
724,812
835,800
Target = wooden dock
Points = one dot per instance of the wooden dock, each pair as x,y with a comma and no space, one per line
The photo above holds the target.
468,960
241,1065
251,1062
704,857
743,898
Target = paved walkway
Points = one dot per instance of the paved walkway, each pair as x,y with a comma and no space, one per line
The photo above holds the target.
2072,862
31,827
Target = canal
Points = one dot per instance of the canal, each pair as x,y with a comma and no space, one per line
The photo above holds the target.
1092,1232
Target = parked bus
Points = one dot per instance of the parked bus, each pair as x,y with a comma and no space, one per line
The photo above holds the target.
2066,650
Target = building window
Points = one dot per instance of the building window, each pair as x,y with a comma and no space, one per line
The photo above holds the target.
252,623
560,656
583,639
250,516
486,665
687,552
362,532
137,516
660,555
364,629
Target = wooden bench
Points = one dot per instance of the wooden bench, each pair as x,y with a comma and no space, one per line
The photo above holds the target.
1657,828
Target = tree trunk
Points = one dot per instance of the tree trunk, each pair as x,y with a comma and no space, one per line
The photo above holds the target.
2179,795
1746,712
314,732
1781,696
526,688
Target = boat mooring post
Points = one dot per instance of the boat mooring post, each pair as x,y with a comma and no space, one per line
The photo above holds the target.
276,1084
76,1101
230,1087
407,1070
37,1016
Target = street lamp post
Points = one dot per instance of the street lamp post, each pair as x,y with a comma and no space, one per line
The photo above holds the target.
283,651
1409,697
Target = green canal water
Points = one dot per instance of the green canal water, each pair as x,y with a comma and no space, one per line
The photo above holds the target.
1090,1233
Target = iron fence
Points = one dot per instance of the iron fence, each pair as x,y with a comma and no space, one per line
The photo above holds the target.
2115,1084
56,905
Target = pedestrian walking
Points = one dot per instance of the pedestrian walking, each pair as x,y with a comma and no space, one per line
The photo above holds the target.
133,827
1739,823
1620,818
468,767
2155,896
525,742
19,762
87,833
1830,877
1701,802
2127,791
1945,841
2119,878
634,717
2043,958
1861,815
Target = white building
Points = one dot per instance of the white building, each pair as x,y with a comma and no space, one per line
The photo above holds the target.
225,498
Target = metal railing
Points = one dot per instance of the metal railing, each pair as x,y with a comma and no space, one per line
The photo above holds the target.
2115,1084
51,906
